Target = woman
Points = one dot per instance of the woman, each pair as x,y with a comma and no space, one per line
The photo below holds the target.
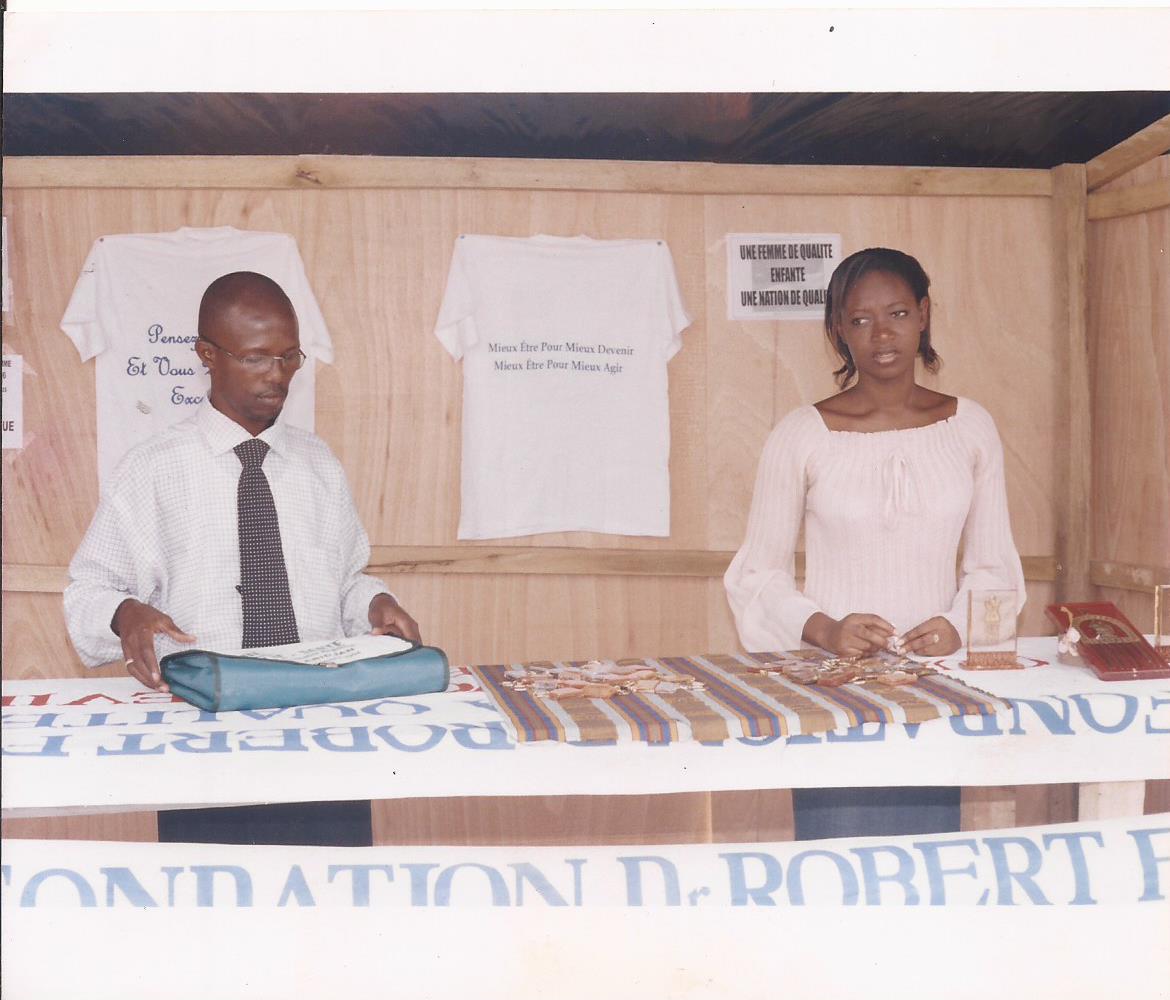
890,480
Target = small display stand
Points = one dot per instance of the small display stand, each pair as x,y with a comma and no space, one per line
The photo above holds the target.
991,630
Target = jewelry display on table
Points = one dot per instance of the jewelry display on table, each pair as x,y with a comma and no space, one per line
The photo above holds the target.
991,630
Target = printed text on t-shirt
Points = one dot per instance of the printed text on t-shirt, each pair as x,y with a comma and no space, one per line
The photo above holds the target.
549,360
182,367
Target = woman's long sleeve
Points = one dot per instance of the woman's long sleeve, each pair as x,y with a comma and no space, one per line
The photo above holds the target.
990,560
769,610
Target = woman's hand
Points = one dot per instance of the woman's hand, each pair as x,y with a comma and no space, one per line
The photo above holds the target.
934,637
853,635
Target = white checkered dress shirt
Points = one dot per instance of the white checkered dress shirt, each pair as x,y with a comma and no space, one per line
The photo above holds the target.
166,533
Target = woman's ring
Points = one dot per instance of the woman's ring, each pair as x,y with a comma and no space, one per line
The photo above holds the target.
129,661
933,638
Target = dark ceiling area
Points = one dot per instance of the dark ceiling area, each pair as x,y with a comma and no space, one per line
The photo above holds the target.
897,129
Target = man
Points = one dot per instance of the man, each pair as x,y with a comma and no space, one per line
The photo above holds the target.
231,529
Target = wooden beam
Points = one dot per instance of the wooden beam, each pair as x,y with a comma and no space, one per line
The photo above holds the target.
1139,148
1127,576
392,560
322,173
546,560
1074,437
139,827
1039,569
1134,200
28,579
671,817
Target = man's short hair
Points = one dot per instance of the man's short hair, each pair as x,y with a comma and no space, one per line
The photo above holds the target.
237,288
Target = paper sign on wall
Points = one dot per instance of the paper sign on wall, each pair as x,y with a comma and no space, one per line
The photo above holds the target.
11,390
774,276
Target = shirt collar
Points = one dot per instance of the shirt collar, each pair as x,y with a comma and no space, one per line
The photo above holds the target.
222,433
206,234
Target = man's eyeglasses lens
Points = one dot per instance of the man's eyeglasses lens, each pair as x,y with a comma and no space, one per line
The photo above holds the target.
265,362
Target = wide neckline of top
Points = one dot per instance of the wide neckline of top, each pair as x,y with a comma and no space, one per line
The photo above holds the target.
960,405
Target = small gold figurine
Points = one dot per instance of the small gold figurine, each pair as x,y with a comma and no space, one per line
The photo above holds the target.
991,618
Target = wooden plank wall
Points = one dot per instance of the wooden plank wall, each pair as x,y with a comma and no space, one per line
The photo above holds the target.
377,254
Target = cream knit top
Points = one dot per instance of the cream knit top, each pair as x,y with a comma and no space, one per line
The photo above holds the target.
885,515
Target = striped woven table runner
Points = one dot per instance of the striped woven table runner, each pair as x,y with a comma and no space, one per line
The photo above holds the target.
737,699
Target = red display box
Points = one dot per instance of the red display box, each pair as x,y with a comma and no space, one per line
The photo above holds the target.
1110,643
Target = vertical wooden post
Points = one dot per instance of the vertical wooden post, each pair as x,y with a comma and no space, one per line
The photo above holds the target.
988,808
1111,800
1073,438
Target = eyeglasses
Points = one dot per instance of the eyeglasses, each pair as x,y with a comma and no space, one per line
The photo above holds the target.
265,363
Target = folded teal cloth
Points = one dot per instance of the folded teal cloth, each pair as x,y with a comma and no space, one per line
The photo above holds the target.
223,682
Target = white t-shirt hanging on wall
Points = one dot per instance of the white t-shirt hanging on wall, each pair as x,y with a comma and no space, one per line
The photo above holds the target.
136,307
564,342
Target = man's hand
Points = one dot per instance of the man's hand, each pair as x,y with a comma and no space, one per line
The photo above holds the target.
388,617
934,637
136,624
853,635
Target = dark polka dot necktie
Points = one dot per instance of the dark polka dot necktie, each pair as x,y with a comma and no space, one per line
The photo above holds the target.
269,619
